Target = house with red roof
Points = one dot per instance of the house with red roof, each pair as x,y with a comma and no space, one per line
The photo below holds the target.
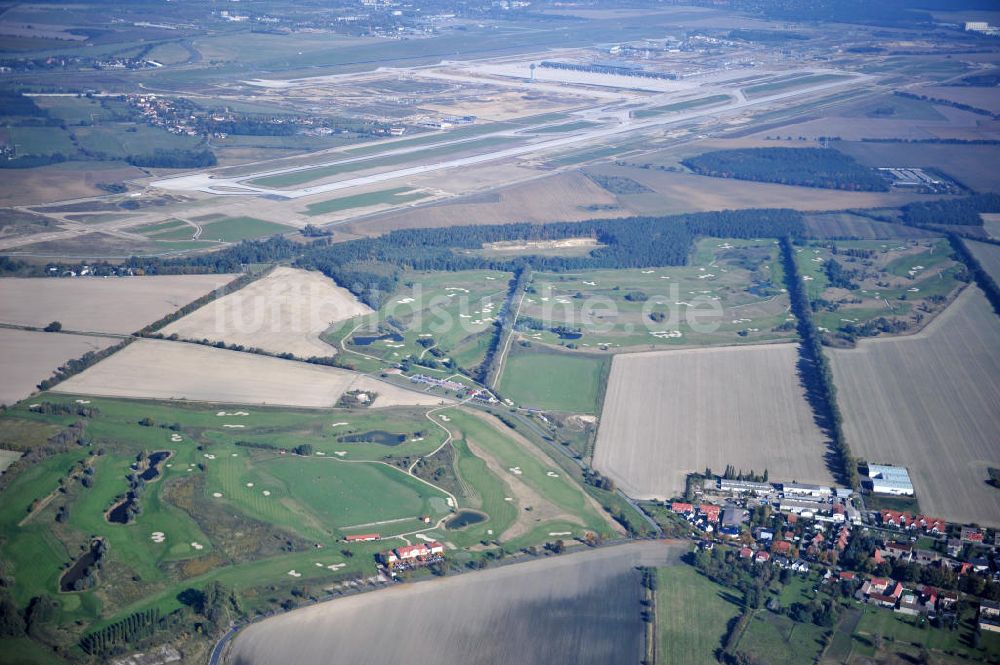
710,511
762,557
746,553
882,590
781,547
362,538
896,518
682,508
931,524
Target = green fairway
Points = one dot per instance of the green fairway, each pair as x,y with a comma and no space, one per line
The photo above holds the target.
534,469
234,229
692,616
444,316
546,379
396,195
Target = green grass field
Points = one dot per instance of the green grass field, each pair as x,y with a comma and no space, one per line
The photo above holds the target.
542,378
900,278
395,196
692,616
729,293
774,638
454,311
234,229
233,508
41,141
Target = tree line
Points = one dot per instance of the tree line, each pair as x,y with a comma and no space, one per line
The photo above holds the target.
814,366
951,212
806,167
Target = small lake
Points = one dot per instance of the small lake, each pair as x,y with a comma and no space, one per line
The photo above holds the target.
119,513
155,459
570,334
81,567
377,436
464,518
368,340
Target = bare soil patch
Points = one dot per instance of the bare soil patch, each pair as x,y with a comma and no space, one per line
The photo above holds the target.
28,357
283,312
153,369
669,413
931,402
118,305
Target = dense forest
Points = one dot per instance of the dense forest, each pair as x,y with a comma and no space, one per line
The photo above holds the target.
174,159
951,212
807,167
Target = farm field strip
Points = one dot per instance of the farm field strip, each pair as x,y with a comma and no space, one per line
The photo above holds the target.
988,256
931,402
742,406
154,369
119,305
29,357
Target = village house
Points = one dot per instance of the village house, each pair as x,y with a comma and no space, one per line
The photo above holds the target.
989,616
412,554
362,538
882,590
971,535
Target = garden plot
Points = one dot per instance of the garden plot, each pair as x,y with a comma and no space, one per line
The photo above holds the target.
113,305
670,413
172,370
931,403
284,312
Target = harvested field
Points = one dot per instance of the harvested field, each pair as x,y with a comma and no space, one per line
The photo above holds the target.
668,413
579,608
988,256
931,402
29,357
971,165
156,369
991,222
686,192
284,312
563,197
119,305
847,225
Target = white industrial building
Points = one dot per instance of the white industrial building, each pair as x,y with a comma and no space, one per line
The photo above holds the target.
887,479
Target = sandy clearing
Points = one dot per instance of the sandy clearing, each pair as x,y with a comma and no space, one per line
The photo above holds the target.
118,305
580,608
28,357
154,369
931,402
283,312
668,413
